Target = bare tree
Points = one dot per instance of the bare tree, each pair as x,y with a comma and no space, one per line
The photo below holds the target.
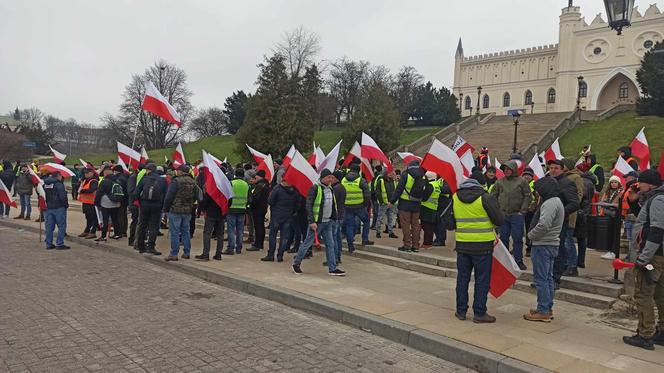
344,83
210,122
299,49
405,84
30,118
153,131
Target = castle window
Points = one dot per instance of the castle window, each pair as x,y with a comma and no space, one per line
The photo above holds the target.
597,51
647,44
485,101
583,89
623,91
529,98
468,103
506,100
551,96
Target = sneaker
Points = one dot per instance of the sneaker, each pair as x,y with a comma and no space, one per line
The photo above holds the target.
535,311
337,272
50,247
229,252
571,272
202,257
153,252
296,269
484,319
62,247
267,259
460,316
82,235
404,249
254,248
658,338
638,341
522,266
425,246
280,259
414,250
536,316
19,217
217,257
185,256
609,255
90,236
377,234
100,239
365,243
171,258
392,235
117,237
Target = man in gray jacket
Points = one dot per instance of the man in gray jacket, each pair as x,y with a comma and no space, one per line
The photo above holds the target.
545,235
514,197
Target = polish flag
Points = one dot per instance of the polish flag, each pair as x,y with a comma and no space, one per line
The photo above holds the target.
6,195
300,174
641,150
217,185
215,159
289,156
330,161
320,155
144,155
582,158
468,162
178,156
89,165
54,167
370,150
267,165
553,152
499,171
408,157
57,156
365,165
460,146
621,169
258,156
124,166
536,166
128,155
504,270
445,162
39,188
155,103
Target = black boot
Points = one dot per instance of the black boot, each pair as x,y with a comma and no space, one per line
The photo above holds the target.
639,341
658,338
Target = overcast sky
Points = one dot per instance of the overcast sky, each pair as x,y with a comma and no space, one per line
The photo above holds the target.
73,58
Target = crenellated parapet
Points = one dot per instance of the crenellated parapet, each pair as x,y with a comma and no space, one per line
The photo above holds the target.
653,12
524,52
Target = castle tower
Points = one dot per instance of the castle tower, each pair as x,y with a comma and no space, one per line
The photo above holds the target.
566,82
458,58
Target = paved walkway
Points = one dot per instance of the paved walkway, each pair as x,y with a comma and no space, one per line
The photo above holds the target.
579,339
88,310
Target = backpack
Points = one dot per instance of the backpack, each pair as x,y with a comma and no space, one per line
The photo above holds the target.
419,186
117,193
151,190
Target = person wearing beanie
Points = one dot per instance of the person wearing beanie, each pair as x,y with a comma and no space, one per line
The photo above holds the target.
597,170
490,177
23,187
648,240
236,211
571,253
283,204
122,179
528,175
628,216
258,204
108,200
432,207
358,199
150,192
585,211
56,211
385,184
180,197
412,189
625,152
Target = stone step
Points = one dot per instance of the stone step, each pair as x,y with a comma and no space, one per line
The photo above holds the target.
564,294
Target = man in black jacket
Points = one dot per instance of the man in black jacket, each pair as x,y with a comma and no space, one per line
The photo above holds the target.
283,205
56,211
410,192
258,204
150,191
122,179
104,201
7,176
132,203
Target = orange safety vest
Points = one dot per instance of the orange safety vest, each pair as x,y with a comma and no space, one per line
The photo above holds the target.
624,206
87,198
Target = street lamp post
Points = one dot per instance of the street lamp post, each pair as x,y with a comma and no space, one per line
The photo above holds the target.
532,107
516,114
479,92
470,110
619,13
578,91
460,102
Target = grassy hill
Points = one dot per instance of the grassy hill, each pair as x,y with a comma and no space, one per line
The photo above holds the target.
608,135
224,146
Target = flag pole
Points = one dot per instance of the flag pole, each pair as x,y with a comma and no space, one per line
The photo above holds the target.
133,141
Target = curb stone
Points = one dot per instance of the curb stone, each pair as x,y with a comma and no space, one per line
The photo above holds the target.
452,350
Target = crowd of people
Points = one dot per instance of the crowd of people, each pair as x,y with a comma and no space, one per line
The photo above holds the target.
549,216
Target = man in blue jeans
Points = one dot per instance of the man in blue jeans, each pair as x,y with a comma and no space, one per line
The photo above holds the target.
283,204
545,236
514,198
356,206
56,211
475,213
236,212
322,216
180,197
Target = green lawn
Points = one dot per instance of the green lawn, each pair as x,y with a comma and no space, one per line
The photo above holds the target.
608,135
224,146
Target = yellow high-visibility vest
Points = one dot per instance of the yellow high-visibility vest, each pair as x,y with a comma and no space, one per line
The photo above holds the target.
472,221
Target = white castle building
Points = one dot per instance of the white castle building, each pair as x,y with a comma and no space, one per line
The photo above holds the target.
545,78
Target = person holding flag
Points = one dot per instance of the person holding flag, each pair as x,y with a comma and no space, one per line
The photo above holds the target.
150,192
236,212
258,204
7,176
545,237
358,197
475,214
56,211
411,190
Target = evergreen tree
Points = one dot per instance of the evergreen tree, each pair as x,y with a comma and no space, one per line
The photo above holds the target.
435,106
651,79
378,117
17,114
235,108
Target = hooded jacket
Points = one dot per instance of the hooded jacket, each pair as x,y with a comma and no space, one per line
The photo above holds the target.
567,194
311,198
366,191
56,195
417,172
105,187
588,193
575,177
513,193
283,203
469,191
548,220
649,227
7,175
599,173
258,196
23,184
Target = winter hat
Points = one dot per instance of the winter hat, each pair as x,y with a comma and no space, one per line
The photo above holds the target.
260,173
355,168
431,175
569,163
185,168
338,174
325,173
479,177
614,178
151,166
651,177
528,171
118,168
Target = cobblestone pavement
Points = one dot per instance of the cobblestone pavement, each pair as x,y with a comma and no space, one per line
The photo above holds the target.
88,310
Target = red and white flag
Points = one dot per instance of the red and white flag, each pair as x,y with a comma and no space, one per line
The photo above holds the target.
621,169
178,156
553,152
370,150
128,155
6,195
536,166
217,185
144,155
289,156
54,167
155,103
641,150
57,156
582,158
267,165
215,159
123,165
445,162
39,188
320,155
258,156
88,165
460,146
499,169
365,165
504,270
330,160
408,157
300,174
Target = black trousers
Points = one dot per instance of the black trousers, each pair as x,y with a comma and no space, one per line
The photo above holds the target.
192,222
259,228
74,190
106,216
148,225
90,218
133,210
121,228
213,224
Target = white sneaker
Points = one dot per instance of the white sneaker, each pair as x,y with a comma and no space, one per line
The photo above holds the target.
609,255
